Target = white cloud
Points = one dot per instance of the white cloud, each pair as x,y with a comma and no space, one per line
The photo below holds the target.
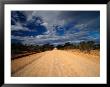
80,26
17,28
45,24
88,24
51,19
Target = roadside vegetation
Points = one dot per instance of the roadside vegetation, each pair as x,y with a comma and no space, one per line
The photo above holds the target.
82,46
20,50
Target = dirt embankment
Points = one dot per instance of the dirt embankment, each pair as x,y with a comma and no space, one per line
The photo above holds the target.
57,63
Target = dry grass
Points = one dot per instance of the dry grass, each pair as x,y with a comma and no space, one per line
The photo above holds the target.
92,52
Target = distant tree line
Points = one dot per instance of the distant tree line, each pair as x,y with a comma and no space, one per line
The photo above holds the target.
21,48
82,46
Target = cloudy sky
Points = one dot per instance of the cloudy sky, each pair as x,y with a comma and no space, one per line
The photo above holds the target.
54,27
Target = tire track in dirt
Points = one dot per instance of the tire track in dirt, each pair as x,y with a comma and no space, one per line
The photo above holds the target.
58,63
22,63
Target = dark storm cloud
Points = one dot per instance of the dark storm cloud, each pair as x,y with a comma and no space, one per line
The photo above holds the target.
21,26
84,15
39,27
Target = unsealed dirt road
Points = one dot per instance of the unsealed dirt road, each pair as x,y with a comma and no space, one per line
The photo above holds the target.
56,63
